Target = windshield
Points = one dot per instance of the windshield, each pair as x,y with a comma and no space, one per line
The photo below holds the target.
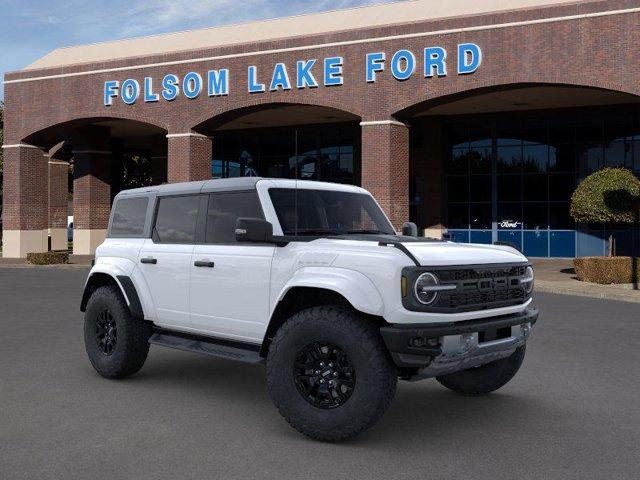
327,212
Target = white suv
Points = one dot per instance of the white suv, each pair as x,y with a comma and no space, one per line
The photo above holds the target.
311,279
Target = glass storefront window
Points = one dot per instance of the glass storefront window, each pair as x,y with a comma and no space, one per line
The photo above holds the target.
535,161
509,158
324,153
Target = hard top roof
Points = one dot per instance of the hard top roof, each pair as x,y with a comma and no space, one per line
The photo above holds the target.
232,184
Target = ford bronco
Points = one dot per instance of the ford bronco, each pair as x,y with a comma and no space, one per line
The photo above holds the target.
310,279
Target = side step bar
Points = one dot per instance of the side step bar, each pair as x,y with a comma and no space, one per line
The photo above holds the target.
208,346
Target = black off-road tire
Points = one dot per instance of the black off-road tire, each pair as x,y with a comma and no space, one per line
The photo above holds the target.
486,378
375,374
129,351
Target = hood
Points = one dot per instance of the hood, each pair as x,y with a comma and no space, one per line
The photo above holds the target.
449,253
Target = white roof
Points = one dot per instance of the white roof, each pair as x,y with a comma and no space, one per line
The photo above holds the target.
287,27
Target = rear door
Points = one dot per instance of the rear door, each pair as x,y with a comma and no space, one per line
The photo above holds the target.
165,259
229,280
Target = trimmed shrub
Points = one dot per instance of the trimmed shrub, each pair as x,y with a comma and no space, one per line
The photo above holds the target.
610,195
606,270
48,258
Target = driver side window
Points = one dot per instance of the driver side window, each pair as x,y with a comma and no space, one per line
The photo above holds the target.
223,211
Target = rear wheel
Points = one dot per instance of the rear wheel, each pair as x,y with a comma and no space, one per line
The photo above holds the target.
117,344
329,373
485,378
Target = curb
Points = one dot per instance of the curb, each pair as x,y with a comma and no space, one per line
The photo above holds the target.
631,296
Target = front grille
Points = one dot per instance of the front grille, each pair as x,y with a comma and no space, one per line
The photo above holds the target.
481,288
478,287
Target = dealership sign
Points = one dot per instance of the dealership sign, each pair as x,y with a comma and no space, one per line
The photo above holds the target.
308,73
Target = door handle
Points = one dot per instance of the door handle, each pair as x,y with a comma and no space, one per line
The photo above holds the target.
149,260
203,263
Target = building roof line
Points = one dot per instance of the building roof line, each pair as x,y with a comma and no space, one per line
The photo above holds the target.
476,28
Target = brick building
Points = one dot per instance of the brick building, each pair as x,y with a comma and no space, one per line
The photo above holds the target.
474,119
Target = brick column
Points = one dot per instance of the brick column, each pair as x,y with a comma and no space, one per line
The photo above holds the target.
91,199
58,189
159,159
189,157
24,200
385,167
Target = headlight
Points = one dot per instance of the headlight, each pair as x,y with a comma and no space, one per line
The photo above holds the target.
425,288
527,280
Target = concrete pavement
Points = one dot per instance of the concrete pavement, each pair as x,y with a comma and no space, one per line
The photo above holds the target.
571,412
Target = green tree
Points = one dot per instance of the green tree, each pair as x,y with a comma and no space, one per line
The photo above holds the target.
608,196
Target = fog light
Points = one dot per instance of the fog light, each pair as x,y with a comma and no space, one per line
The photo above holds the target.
423,342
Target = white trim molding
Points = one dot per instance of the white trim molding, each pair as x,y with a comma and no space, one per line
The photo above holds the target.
58,162
477,28
383,122
21,145
189,134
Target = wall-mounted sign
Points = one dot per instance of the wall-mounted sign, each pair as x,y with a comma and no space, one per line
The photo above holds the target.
509,224
309,73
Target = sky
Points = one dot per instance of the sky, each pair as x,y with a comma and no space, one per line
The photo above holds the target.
30,29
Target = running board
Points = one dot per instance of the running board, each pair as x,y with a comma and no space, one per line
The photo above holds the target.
207,346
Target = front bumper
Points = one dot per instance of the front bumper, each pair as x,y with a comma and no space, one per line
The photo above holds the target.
440,348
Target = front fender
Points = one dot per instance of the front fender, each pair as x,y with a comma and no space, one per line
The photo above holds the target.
130,282
358,289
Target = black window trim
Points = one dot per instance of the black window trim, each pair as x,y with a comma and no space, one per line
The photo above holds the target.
204,215
155,218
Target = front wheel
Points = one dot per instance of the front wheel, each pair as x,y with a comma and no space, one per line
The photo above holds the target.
116,343
485,378
329,373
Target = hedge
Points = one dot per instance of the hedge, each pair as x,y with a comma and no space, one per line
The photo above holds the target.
610,195
607,270
47,258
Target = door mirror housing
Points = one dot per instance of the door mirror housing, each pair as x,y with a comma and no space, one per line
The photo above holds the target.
409,229
255,230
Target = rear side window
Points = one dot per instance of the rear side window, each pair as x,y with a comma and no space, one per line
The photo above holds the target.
128,217
176,219
224,209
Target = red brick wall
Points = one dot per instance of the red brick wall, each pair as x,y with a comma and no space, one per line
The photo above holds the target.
385,168
91,189
590,52
595,52
189,158
25,189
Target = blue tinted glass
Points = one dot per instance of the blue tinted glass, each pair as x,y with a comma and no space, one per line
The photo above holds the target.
512,237
536,243
509,159
563,244
460,236
481,236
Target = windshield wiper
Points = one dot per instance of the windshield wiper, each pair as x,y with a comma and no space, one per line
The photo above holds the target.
318,231
371,232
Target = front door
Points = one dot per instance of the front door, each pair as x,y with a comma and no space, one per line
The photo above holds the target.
229,280
165,259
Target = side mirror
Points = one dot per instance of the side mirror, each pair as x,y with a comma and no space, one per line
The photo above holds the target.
253,230
409,229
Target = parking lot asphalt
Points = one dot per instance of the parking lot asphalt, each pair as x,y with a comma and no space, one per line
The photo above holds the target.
571,412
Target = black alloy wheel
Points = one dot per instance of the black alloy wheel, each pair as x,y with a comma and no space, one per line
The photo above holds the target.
324,375
106,332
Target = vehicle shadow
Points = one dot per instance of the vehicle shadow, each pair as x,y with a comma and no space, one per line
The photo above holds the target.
421,412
